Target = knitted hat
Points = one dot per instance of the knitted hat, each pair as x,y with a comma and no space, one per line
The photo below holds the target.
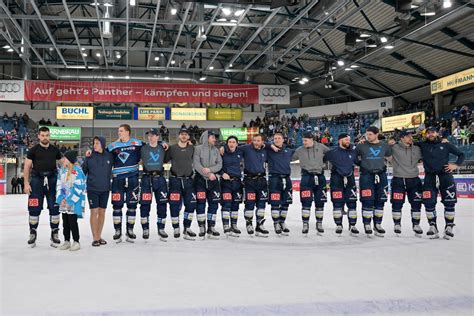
71,156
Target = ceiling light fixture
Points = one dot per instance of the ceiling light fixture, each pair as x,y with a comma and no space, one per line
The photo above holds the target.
226,11
340,62
388,46
365,35
202,78
239,12
211,68
157,58
133,3
447,4
173,11
383,39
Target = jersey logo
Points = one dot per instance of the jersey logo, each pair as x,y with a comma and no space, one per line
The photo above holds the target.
116,197
175,197
154,157
375,153
33,202
123,156
226,196
306,194
275,196
398,196
366,193
251,196
427,194
337,194
146,196
201,195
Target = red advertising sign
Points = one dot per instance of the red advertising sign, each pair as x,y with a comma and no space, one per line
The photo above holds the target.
139,92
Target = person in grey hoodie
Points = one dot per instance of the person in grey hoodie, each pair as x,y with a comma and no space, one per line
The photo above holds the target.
207,162
98,169
406,182
313,181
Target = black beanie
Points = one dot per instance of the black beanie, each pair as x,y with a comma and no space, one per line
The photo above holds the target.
343,135
71,156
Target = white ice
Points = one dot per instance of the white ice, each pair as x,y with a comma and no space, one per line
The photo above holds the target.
295,275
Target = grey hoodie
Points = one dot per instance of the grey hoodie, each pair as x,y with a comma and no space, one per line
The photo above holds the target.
311,159
405,160
206,156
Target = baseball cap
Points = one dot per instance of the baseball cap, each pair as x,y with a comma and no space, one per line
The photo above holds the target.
431,129
406,132
184,130
153,131
308,135
342,135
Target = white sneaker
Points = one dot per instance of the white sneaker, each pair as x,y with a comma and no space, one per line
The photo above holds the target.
65,246
75,246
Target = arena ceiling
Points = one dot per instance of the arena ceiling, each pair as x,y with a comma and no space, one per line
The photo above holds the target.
396,53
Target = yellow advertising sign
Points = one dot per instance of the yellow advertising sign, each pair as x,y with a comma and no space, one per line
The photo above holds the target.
405,121
74,112
150,114
224,114
188,114
453,81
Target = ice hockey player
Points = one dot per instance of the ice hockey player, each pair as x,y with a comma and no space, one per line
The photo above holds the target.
231,186
181,184
255,185
154,183
125,186
438,178
373,181
406,182
207,162
342,183
313,181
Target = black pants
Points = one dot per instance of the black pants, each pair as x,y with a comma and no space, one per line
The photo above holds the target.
70,225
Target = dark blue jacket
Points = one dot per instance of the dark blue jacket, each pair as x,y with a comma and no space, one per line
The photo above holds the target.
436,155
279,161
231,162
254,159
98,169
342,160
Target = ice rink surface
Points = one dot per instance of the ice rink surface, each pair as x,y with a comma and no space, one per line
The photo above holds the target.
294,275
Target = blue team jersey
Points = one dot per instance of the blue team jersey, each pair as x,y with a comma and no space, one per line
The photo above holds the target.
279,161
126,157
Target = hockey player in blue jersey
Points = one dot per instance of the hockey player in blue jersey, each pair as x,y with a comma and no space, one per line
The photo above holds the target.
438,178
125,186
280,189
231,185
342,183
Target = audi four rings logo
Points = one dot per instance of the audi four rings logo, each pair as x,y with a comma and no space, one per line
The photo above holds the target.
274,92
9,87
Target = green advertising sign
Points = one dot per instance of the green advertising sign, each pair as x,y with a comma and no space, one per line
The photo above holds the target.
113,113
240,133
65,133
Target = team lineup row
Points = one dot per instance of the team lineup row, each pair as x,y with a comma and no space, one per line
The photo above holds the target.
204,176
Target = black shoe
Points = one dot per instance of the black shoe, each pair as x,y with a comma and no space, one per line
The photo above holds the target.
339,229
448,231
189,234
32,238
305,228
226,230
319,228
55,239
368,229
131,236
284,230
146,234
176,232
102,242
96,243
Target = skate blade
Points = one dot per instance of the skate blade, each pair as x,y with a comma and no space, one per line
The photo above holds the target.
163,239
54,245
319,233
130,240
419,235
379,235
305,234
189,238
261,235
213,237
118,241
32,245
234,235
285,234
447,237
369,235
354,235
436,236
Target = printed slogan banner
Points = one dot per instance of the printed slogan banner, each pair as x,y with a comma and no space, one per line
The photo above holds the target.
406,121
